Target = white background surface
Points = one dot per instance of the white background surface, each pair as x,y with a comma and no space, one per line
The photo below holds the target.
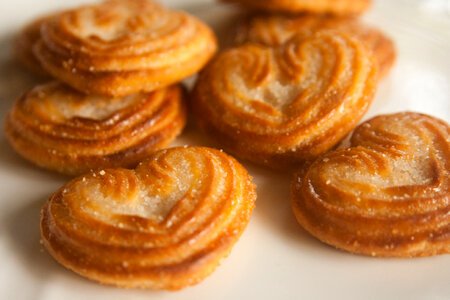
275,258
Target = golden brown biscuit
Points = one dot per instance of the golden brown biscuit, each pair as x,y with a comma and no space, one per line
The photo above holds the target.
121,47
276,29
386,195
282,106
61,129
165,225
336,7
23,47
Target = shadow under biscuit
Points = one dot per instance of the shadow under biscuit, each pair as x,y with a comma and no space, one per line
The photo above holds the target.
273,209
273,204
22,229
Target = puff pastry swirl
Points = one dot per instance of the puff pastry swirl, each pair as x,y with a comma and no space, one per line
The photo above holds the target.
61,129
283,106
276,29
336,7
165,225
121,47
386,195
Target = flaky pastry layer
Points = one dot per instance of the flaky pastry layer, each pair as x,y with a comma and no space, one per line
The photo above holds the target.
121,47
282,106
165,225
388,195
63,130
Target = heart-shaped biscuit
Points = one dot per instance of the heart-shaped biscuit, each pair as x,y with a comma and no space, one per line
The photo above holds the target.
337,7
165,225
61,129
282,106
121,47
386,195
276,29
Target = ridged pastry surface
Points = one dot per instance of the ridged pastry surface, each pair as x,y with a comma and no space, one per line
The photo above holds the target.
276,29
61,129
336,7
165,225
386,195
121,47
285,105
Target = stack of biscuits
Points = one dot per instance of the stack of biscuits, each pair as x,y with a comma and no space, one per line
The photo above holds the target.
296,78
115,97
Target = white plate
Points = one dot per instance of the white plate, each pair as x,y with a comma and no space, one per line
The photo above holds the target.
275,258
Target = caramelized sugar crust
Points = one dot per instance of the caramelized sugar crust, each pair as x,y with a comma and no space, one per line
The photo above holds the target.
121,47
283,106
23,46
336,7
165,225
61,129
276,29
386,195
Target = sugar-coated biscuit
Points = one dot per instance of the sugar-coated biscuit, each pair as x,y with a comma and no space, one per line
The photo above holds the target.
61,129
276,29
387,195
122,47
336,7
286,105
165,225
23,46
